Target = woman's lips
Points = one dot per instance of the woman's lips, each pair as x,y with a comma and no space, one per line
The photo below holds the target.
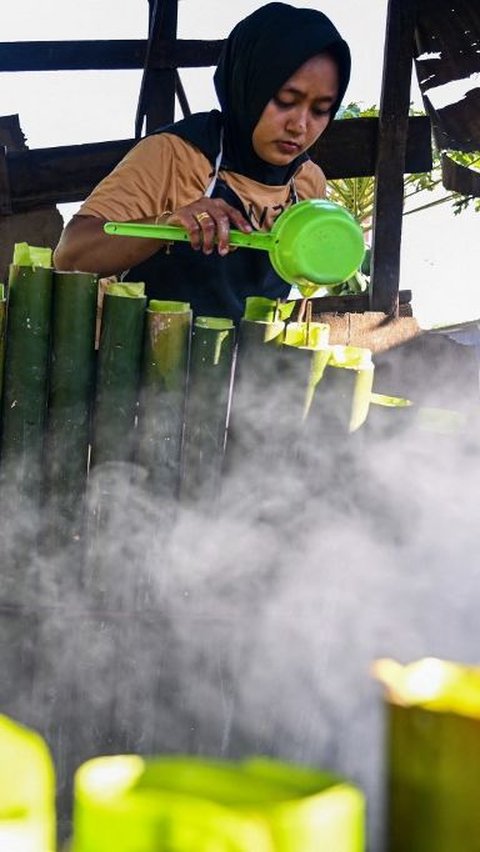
288,147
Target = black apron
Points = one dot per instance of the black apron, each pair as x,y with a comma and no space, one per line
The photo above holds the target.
214,286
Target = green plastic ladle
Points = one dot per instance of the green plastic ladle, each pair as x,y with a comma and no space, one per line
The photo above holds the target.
314,242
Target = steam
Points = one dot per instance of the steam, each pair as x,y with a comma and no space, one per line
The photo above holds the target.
250,625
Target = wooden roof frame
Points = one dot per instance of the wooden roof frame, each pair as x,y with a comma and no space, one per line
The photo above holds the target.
387,147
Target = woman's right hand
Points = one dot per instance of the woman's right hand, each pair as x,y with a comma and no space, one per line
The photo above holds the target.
208,222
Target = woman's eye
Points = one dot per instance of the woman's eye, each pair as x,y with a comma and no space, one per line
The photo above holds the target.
284,104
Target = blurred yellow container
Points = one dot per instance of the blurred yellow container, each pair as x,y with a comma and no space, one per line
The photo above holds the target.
131,804
27,790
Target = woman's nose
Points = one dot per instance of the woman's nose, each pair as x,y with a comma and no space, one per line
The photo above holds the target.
297,121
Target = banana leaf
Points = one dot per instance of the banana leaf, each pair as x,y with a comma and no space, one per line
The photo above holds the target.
207,407
267,310
342,399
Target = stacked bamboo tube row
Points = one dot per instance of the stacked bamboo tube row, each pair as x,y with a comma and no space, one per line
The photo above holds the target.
152,392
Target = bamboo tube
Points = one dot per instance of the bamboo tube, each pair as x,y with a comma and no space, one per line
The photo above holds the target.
207,407
433,755
27,790
71,388
3,323
26,376
114,426
162,398
301,362
197,804
118,372
254,411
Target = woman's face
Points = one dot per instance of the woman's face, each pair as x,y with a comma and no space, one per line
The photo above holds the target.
299,112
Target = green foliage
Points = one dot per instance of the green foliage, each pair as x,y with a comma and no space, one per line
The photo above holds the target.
357,194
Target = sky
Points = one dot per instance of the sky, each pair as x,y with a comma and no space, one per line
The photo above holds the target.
440,251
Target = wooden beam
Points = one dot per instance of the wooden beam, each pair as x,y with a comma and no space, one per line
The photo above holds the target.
156,102
392,147
107,55
59,175
5,193
350,148
69,173
182,96
356,303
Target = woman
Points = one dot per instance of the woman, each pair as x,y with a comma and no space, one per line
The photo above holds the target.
280,80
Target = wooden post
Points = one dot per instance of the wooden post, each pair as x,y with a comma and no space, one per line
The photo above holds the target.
393,128
5,196
157,93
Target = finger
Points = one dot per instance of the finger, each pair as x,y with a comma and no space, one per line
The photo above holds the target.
208,229
185,219
195,231
237,219
222,225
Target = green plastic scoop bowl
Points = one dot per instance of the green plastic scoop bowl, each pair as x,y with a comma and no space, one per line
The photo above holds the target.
314,242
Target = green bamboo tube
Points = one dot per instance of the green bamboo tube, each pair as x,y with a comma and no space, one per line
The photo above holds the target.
3,324
162,397
26,376
118,373
194,805
207,407
433,755
71,390
254,411
27,790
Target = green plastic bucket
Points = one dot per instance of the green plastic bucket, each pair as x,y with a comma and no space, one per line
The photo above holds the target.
131,804
314,242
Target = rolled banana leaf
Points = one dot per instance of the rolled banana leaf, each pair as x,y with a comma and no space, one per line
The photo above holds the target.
25,389
197,805
70,399
342,400
306,353
209,384
118,373
162,397
259,308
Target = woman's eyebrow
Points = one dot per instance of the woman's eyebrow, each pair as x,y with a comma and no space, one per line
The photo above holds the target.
291,90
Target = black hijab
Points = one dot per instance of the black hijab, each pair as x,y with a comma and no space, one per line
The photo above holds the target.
261,53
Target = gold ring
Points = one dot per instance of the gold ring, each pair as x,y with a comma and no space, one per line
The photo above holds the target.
201,216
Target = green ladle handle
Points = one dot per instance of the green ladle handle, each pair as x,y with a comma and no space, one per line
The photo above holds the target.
255,240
